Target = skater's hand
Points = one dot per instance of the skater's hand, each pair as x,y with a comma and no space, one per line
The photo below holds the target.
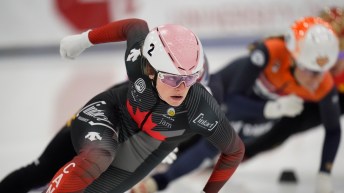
169,159
289,106
324,183
148,185
72,46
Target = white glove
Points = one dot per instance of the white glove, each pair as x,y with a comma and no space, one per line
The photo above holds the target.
323,183
289,106
72,46
169,159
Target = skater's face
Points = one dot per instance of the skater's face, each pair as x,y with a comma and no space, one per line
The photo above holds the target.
174,96
172,88
308,79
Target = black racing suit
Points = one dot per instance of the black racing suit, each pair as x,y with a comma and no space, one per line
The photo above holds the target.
123,133
58,152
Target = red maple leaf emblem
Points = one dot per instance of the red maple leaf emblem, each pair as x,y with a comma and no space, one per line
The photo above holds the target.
148,125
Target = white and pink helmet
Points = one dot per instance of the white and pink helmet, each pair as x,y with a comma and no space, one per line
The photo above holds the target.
173,49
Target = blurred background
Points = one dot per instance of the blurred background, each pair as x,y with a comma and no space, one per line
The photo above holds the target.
40,91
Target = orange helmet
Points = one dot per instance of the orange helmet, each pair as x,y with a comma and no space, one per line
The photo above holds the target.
313,44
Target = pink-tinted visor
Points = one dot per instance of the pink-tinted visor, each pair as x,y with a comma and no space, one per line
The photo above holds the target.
174,80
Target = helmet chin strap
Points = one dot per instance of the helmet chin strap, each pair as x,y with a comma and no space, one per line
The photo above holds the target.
154,83
155,79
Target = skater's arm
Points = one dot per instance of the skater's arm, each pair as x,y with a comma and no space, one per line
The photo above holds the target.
232,152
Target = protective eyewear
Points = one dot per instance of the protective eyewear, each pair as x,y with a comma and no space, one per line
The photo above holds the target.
175,80
312,72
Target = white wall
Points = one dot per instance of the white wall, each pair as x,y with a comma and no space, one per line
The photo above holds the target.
37,22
